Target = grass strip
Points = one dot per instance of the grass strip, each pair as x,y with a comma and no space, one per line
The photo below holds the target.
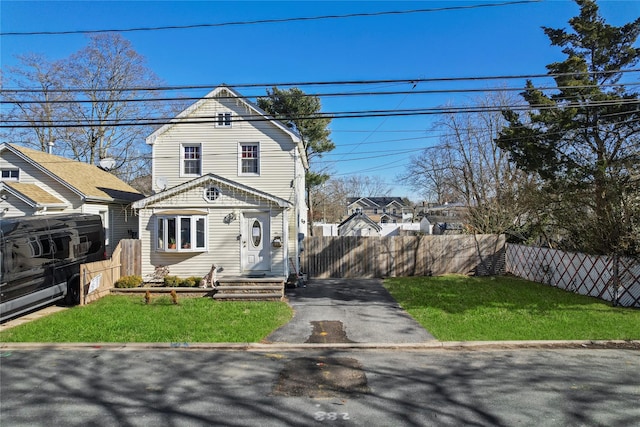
128,319
462,308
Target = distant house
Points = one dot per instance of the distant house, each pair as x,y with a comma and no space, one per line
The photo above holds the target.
447,218
33,182
228,189
359,224
383,210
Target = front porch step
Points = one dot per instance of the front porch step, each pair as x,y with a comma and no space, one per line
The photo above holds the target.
249,288
245,297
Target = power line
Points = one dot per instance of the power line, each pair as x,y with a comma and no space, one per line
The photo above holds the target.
411,81
266,21
151,121
320,95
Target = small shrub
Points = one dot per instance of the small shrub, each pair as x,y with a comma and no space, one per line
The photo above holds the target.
129,282
190,282
171,281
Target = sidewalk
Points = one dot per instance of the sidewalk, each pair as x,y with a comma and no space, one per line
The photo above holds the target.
31,316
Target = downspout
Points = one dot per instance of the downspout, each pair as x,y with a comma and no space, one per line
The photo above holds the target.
296,212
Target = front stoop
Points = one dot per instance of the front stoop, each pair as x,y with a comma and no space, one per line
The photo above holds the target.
250,288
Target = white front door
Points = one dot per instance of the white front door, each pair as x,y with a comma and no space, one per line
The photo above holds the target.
255,242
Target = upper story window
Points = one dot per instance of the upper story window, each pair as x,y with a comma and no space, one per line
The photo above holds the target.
249,159
223,119
191,159
9,174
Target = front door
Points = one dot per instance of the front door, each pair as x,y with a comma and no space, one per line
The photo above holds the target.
255,242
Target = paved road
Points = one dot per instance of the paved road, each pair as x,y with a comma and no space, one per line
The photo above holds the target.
183,387
365,309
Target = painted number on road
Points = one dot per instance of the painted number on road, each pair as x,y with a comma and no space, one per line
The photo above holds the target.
331,416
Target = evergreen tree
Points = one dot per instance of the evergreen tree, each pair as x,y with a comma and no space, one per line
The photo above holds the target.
583,139
301,112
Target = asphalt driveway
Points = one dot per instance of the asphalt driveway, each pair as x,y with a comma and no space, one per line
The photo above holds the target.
347,310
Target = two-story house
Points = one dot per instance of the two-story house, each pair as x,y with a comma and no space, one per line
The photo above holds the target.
33,182
228,184
382,210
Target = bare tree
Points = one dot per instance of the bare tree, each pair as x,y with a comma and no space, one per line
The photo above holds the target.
88,104
108,70
469,167
33,99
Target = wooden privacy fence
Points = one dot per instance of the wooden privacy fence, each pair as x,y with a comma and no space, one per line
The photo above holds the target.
366,257
576,272
98,278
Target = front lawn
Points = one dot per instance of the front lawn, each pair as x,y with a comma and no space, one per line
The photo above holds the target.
461,308
128,319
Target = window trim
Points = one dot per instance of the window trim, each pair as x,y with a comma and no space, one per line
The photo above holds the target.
10,172
241,145
206,192
224,119
179,244
183,159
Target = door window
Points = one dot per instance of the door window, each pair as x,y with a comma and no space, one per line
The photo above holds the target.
256,233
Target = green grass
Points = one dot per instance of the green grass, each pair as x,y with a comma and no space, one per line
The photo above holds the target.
129,319
461,308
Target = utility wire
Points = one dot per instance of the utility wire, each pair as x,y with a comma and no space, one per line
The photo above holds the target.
411,81
265,21
323,115
250,98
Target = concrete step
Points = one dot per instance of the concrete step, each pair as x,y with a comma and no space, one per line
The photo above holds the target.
248,296
225,288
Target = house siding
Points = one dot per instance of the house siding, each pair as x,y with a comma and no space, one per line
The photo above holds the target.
224,246
219,150
117,216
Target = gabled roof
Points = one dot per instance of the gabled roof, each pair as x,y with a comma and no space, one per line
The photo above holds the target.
376,201
87,181
219,91
197,182
362,217
32,194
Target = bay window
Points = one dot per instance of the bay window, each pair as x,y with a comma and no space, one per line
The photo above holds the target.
181,233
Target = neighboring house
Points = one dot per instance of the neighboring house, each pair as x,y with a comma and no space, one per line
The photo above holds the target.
228,190
359,224
447,218
33,182
383,210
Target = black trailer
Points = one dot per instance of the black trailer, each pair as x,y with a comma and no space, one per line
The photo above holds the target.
40,259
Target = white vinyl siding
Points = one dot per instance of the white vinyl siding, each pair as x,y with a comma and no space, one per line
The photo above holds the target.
219,151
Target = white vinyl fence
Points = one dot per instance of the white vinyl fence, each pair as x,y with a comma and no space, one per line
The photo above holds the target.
576,272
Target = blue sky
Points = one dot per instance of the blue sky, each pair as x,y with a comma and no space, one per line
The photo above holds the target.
482,41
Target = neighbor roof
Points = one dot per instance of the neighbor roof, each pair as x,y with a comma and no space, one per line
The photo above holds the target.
378,201
362,217
86,180
34,193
